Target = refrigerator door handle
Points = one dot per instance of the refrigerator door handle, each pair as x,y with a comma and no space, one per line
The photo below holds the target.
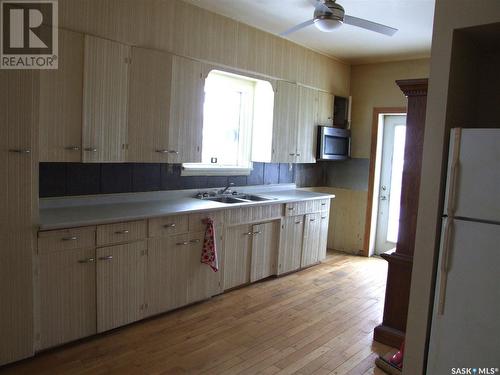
455,162
445,264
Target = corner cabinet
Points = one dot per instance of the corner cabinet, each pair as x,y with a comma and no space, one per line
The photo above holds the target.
105,90
185,130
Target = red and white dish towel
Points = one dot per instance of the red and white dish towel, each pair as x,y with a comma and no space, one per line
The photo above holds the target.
209,252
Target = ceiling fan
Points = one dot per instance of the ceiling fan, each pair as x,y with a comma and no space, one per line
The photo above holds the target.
329,15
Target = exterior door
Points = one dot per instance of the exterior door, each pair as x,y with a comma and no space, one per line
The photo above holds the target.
391,173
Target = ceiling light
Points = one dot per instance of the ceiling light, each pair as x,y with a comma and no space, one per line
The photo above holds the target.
327,24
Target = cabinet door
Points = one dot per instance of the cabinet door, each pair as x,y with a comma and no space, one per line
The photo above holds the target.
265,242
67,296
18,203
325,108
186,111
306,125
61,91
290,254
203,282
285,123
238,247
323,236
166,286
149,105
120,284
105,88
312,229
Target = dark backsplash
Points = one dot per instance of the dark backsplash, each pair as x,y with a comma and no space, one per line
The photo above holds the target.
67,179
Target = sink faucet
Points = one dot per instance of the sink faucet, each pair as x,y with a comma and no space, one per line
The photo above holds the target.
226,188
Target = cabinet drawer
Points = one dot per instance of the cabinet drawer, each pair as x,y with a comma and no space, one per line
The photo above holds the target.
307,207
66,239
254,214
164,226
121,232
197,221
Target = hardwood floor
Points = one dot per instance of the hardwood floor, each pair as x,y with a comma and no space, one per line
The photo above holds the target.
317,321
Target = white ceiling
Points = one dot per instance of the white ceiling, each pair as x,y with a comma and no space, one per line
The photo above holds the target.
413,18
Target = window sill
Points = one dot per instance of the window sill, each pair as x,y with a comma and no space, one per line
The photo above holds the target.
207,170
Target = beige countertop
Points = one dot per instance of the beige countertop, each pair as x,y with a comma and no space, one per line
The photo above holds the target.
78,213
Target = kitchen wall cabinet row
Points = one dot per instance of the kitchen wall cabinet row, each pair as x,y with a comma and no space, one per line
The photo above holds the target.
93,279
110,102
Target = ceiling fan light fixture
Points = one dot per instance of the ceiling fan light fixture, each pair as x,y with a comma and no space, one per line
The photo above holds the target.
327,24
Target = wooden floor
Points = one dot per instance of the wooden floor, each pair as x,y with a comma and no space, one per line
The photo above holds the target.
317,321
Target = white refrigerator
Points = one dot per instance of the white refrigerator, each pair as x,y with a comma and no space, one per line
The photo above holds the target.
465,331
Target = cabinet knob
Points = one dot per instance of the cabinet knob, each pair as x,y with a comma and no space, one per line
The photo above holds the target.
122,232
72,148
107,257
91,149
74,238
21,150
88,260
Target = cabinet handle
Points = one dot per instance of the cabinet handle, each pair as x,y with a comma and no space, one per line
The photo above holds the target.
163,151
258,232
323,217
169,225
298,222
72,148
88,260
248,233
182,243
297,154
122,232
21,151
292,154
195,241
91,149
173,152
312,219
74,238
107,257
291,208
323,204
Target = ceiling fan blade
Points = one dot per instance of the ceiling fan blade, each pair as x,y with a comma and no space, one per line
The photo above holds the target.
318,4
369,25
297,27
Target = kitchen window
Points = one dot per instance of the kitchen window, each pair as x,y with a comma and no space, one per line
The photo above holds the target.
235,109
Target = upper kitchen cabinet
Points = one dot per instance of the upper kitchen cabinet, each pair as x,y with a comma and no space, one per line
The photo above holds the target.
149,106
185,129
285,123
306,125
60,103
325,108
105,91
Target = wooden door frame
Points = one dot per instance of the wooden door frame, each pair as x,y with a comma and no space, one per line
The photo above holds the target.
371,177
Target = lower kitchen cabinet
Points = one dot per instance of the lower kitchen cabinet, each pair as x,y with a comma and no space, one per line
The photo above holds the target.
323,236
167,273
237,259
202,281
310,250
265,242
292,235
67,284
251,253
121,271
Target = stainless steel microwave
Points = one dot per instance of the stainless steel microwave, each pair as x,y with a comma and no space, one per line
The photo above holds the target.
333,143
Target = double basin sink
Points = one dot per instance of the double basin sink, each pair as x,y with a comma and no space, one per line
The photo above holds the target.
237,198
